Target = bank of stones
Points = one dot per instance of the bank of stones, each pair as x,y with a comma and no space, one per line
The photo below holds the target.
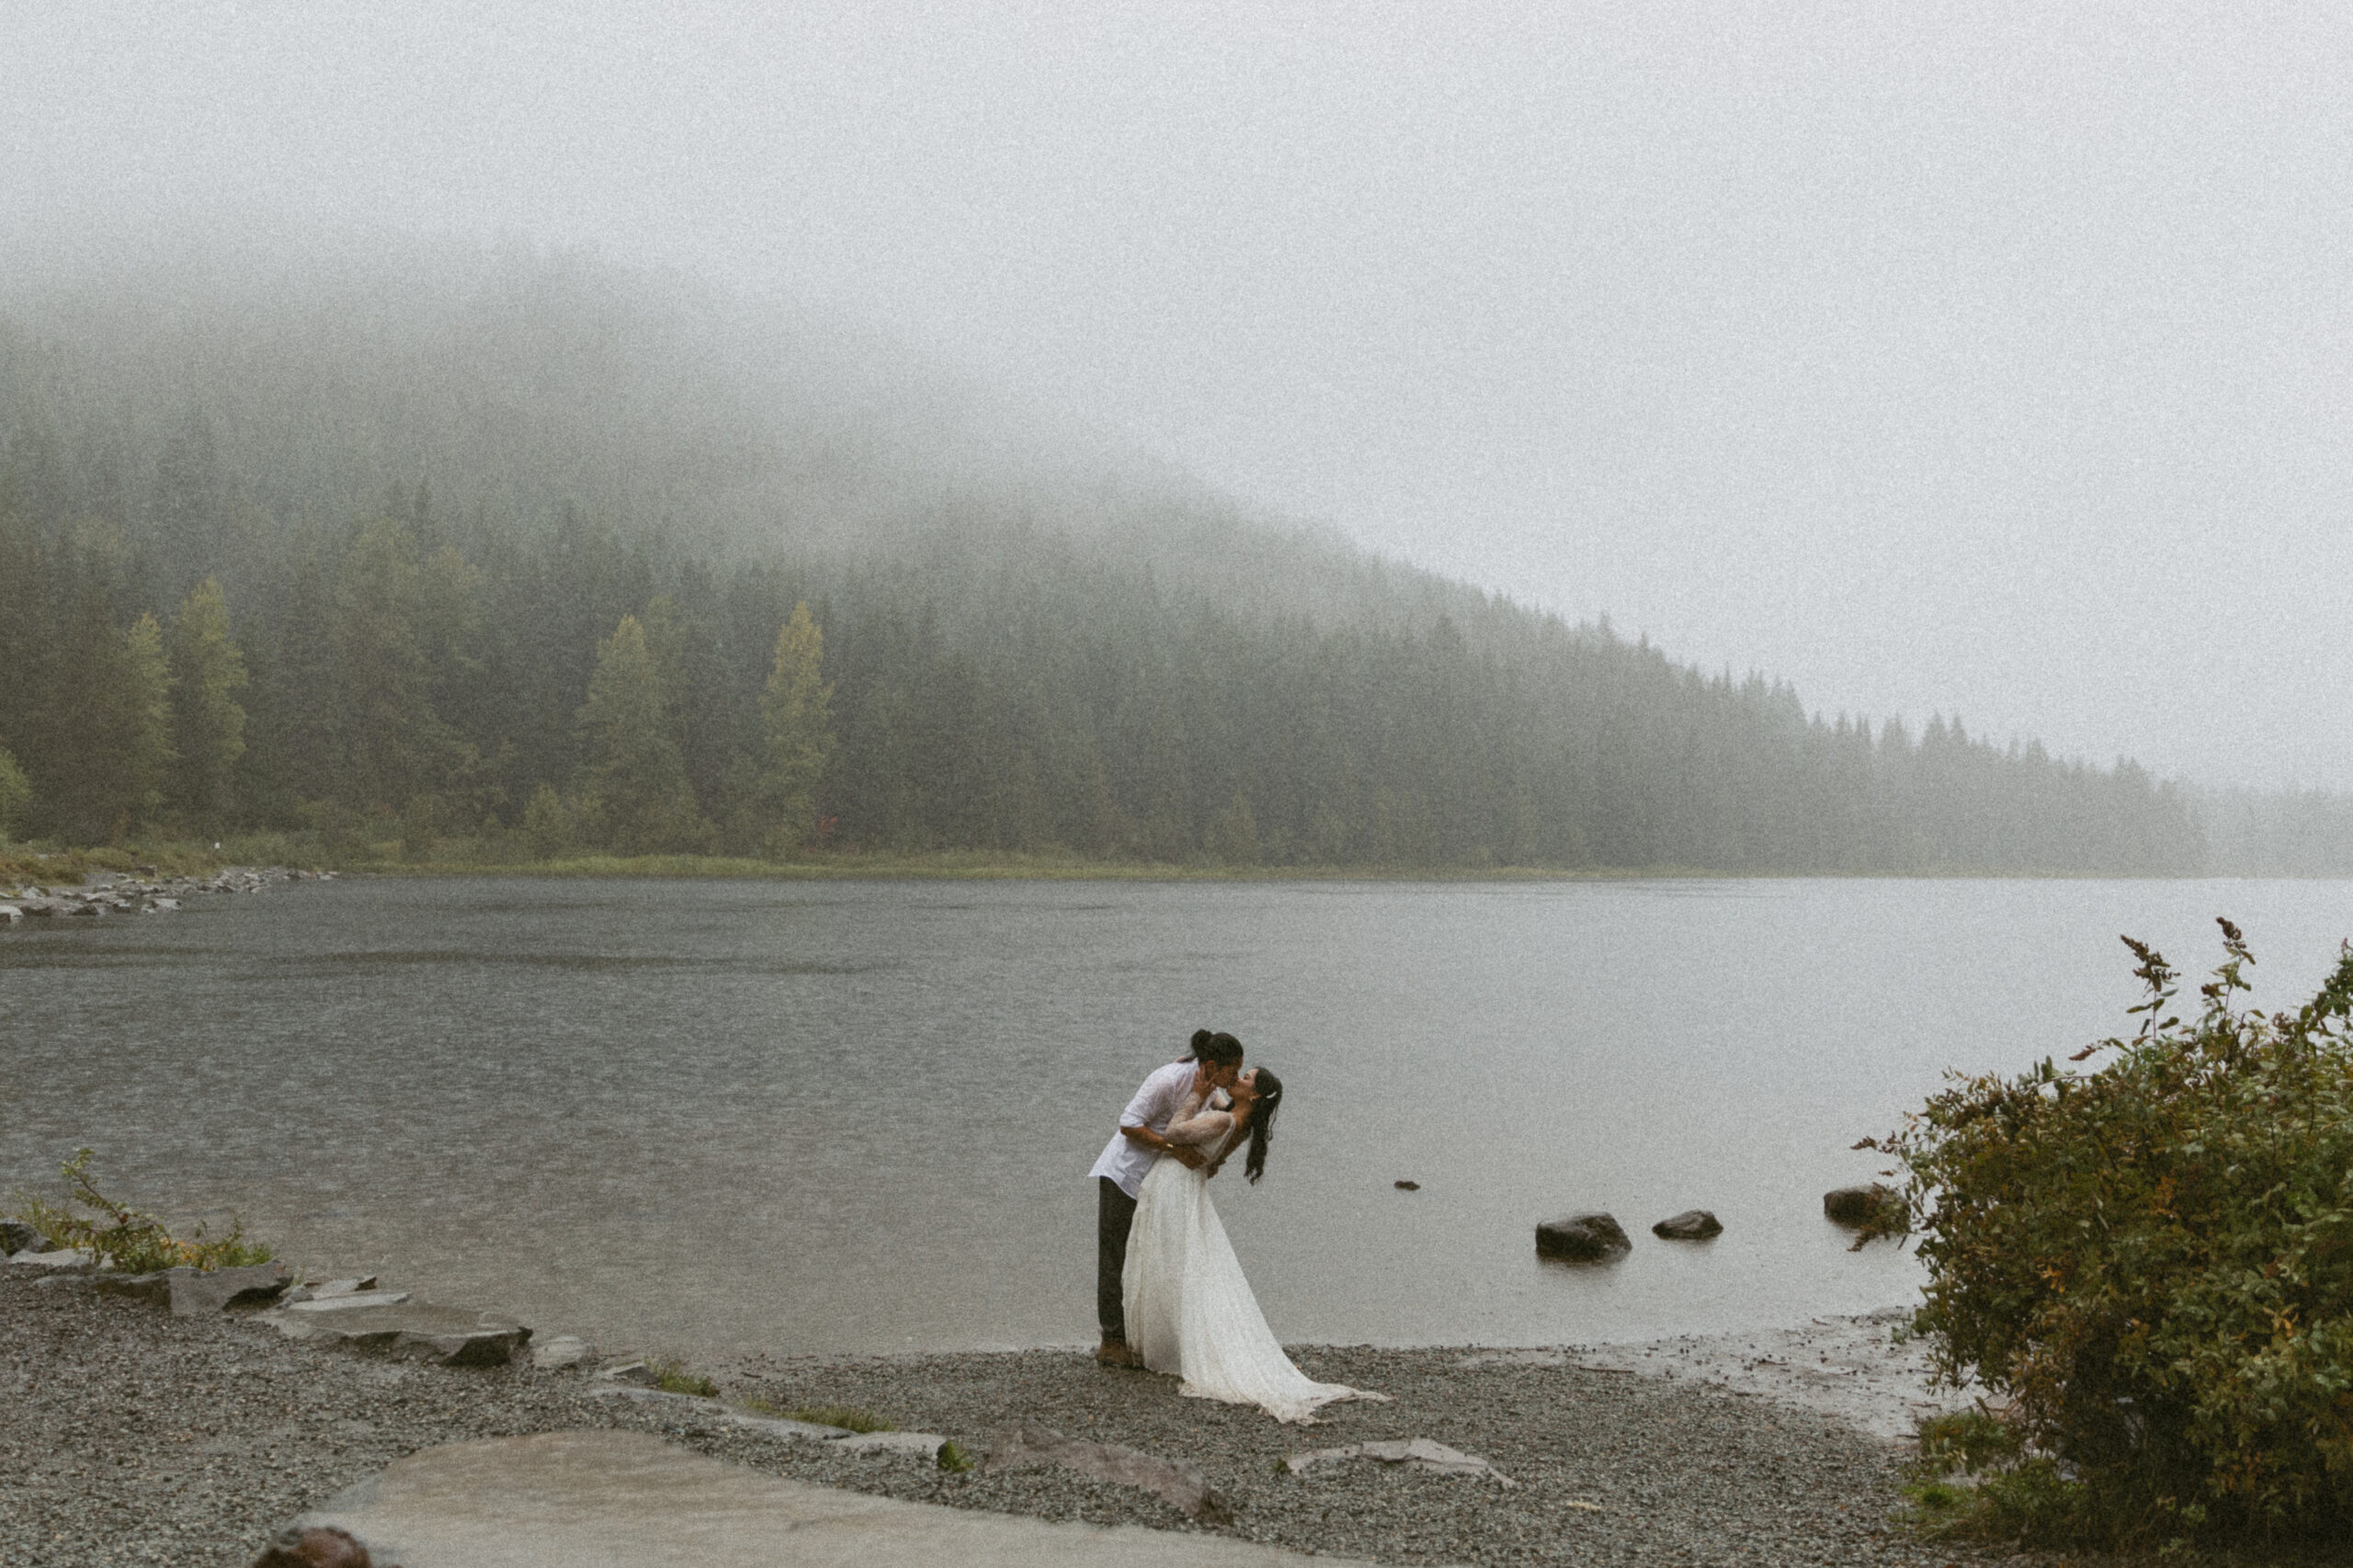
147,892
129,1435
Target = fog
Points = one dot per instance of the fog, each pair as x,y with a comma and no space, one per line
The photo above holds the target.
1960,359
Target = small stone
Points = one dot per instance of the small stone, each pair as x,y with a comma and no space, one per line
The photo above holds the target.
926,1444
1691,1225
17,1236
1408,1187
635,1372
561,1353
1590,1237
323,1288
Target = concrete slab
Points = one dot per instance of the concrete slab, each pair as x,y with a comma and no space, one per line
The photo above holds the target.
610,1499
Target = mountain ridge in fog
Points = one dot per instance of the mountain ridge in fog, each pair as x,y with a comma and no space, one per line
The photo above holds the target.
243,426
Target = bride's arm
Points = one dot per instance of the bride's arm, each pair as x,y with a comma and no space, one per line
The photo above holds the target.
1201,1127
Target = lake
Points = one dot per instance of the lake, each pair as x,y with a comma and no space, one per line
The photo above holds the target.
713,1117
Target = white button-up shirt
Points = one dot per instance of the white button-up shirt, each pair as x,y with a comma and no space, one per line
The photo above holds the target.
1156,1105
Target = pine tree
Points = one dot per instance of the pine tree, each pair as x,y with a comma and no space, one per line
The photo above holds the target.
796,715
207,724
16,795
1232,836
637,800
394,746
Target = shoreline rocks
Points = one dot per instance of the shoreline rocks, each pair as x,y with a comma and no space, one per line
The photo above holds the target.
1691,1225
1857,1206
1589,1237
112,892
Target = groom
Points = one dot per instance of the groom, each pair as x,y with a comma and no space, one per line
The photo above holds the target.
1215,1061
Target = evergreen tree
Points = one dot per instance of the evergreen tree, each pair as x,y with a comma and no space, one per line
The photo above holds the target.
207,724
1232,837
635,799
16,795
796,727
394,746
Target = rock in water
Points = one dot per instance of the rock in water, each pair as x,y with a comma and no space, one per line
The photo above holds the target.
1582,1238
1858,1205
1691,1225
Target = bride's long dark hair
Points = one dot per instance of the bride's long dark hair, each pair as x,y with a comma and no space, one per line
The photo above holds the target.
1262,1121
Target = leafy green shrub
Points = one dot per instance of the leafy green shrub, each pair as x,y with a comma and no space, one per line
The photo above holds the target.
953,1460
2154,1262
121,1237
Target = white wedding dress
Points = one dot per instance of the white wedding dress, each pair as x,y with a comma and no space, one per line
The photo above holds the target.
1190,1310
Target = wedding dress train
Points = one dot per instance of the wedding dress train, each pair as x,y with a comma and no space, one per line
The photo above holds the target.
1191,1312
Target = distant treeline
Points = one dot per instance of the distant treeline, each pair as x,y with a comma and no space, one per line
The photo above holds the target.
199,632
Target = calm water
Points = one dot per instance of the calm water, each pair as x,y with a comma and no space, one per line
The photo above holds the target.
709,1118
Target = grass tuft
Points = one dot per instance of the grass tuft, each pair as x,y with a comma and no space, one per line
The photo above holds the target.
677,1377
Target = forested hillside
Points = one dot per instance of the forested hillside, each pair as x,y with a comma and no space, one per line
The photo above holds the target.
511,551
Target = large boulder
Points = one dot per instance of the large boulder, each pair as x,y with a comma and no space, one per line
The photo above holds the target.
1691,1225
1592,1237
1855,1206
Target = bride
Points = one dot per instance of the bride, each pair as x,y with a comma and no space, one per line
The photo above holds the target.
1189,1309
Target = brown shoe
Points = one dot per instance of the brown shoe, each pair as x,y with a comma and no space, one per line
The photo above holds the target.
1114,1353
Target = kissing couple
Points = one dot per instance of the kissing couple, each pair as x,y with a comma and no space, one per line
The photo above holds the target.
1169,1290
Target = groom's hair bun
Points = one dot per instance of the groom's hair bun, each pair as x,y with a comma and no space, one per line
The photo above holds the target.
1220,1047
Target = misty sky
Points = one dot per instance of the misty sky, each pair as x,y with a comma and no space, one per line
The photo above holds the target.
1983,360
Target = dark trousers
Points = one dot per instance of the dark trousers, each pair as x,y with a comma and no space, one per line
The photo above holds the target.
1114,1212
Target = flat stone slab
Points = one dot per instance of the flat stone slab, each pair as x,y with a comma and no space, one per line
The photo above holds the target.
1413,1454
610,1499
348,1301
195,1292
63,1260
455,1337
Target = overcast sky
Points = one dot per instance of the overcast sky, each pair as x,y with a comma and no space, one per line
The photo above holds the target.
1982,359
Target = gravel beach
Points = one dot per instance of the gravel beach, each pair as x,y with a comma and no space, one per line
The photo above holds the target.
129,1436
